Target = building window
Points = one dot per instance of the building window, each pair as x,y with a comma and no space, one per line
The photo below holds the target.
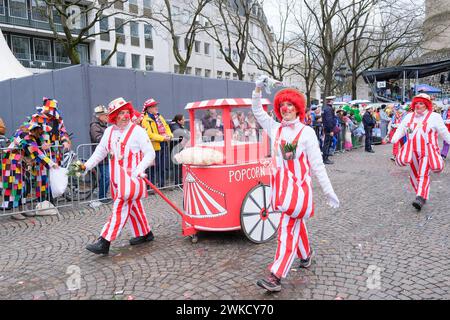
21,47
188,70
219,74
148,4
147,8
83,52
42,50
18,9
2,7
120,30
235,76
149,63
177,42
219,54
134,30
133,6
104,27
186,43
198,72
227,75
148,35
56,17
135,61
197,46
60,54
176,68
104,55
207,73
120,56
235,56
207,49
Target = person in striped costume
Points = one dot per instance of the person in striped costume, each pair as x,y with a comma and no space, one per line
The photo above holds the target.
130,152
421,151
296,154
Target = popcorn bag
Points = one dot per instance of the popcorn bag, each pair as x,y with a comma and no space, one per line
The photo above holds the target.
199,156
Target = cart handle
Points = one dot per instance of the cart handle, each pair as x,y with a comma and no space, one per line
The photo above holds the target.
173,205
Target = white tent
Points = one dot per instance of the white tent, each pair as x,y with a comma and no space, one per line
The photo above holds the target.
10,67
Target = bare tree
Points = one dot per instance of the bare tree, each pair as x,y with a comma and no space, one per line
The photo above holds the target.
183,23
309,66
334,20
272,52
231,30
388,37
72,23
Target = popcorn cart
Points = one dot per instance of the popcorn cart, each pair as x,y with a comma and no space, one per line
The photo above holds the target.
233,193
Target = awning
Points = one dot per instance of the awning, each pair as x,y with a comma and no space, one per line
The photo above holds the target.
410,71
426,88
10,67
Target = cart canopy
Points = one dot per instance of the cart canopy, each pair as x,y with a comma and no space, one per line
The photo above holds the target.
226,102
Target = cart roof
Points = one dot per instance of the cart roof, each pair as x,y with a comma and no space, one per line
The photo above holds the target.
227,102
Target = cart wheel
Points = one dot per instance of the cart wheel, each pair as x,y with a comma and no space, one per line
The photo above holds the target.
259,221
194,238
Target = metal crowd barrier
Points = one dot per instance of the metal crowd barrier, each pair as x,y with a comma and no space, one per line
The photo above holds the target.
21,176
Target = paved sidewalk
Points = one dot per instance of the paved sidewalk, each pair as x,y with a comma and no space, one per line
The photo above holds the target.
376,246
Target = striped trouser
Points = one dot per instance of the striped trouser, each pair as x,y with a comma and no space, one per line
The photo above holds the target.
123,211
292,243
419,174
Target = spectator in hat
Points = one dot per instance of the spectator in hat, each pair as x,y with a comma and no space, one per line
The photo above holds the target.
160,134
384,121
97,129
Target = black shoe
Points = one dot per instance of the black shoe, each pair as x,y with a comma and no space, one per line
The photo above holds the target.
393,159
327,161
370,151
419,202
99,247
138,240
306,263
106,201
272,284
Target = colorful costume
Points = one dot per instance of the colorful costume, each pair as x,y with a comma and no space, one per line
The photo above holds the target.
23,163
291,179
421,151
130,154
49,115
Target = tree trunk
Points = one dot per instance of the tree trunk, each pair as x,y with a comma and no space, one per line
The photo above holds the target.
73,54
354,86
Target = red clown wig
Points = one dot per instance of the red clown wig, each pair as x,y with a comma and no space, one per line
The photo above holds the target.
293,96
424,98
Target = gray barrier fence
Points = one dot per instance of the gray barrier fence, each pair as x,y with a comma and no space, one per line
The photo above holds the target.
80,88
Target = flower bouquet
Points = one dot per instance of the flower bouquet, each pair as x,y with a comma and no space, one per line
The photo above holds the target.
76,169
288,151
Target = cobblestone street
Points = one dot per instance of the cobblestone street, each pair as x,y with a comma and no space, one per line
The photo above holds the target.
375,246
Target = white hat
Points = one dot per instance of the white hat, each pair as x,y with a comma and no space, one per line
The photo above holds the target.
368,107
100,109
117,104
330,98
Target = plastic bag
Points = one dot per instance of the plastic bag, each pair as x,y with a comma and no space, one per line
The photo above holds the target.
58,181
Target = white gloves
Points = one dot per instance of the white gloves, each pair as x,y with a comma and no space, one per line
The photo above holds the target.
332,200
137,174
267,83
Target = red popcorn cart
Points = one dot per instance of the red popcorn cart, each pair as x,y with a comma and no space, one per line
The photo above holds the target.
230,191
